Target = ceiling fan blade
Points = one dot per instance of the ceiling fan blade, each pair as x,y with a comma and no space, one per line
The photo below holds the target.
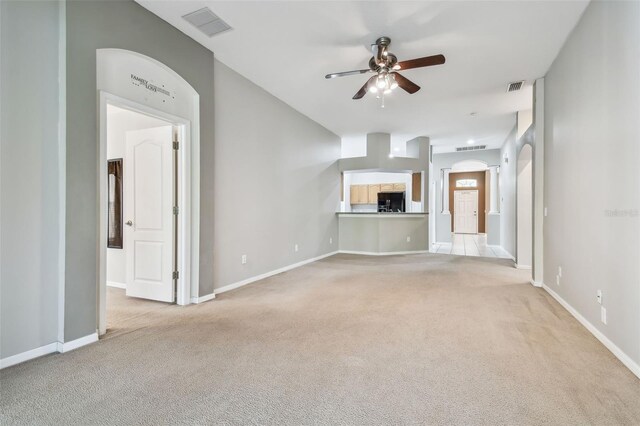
408,85
363,90
420,62
342,74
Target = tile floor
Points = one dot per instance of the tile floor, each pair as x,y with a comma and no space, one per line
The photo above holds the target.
470,245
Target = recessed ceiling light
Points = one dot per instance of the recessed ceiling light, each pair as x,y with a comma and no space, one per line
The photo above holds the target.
471,141
390,155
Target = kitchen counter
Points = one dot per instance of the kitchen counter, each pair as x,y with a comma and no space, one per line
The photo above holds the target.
376,234
386,214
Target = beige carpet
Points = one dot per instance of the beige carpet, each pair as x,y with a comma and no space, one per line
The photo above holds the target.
429,339
127,314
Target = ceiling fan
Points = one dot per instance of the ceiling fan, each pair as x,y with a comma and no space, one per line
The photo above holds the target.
386,65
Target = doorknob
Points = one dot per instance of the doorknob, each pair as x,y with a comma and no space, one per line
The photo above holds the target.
128,223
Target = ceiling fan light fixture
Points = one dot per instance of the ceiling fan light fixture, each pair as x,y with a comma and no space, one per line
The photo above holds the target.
392,82
373,89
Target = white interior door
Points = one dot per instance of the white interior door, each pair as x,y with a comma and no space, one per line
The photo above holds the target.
465,212
148,213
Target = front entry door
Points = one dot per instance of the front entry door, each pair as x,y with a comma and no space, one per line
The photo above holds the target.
148,213
465,212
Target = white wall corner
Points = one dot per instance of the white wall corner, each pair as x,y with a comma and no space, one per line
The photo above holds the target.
116,284
202,299
63,347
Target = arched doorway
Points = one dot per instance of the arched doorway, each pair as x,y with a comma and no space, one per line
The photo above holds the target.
524,208
145,87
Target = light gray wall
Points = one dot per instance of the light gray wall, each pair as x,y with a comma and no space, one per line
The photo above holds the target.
592,150
508,177
29,178
446,161
524,208
120,24
276,182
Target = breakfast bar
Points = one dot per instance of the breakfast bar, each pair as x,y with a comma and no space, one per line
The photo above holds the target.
383,233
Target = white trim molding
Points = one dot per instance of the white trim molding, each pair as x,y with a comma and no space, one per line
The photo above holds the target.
619,353
55,347
523,267
116,284
28,355
270,274
78,343
536,283
202,299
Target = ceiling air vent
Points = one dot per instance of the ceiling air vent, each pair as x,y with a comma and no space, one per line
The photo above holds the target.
515,86
207,22
471,148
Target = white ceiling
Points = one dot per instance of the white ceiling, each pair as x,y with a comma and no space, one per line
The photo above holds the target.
287,48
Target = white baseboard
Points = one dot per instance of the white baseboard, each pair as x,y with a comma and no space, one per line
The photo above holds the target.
623,357
116,284
269,274
536,283
526,267
28,355
385,253
203,299
48,349
75,344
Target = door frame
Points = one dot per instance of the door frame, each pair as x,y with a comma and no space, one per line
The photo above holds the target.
188,201
457,191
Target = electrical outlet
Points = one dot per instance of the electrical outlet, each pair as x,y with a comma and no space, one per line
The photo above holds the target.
603,315
295,247
599,296
244,259
560,271
330,240
557,279
408,239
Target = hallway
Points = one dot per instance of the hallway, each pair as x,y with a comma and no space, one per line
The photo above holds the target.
470,245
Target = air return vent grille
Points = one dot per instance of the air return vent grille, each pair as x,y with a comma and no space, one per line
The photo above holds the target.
207,22
471,148
515,86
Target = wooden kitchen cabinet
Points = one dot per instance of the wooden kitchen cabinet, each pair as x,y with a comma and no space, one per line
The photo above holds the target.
363,194
359,194
373,194
368,194
416,187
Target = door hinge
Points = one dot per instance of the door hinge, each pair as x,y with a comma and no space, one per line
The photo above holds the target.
176,145
176,210
176,275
